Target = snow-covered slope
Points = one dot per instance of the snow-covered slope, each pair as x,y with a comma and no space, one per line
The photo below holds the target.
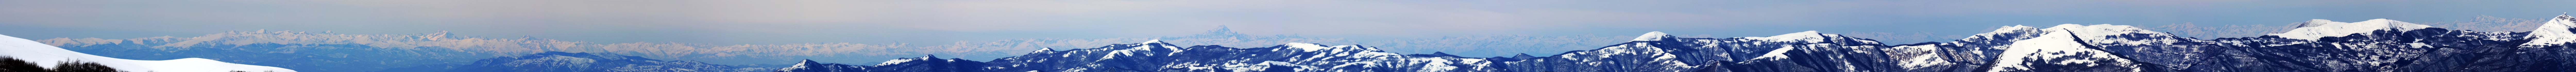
50,56
2319,28
2553,33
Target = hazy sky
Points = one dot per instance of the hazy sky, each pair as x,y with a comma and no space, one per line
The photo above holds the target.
942,21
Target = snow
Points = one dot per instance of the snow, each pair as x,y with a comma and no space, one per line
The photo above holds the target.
2046,46
2553,32
1621,49
49,56
2109,34
1309,47
799,65
1652,36
1435,65
1043,50
1808,36
1928,59
1920,61
2320,28
895,61
1776,53
1145,46
2100,30
1159,43
2008,29
1152,41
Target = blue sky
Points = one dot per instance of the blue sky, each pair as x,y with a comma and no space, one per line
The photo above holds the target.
946,21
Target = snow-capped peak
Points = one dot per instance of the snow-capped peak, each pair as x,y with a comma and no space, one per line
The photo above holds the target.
50,56
2553,32
2319,28
1653,36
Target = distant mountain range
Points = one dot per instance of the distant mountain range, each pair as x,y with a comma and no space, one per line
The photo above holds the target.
2377,45
333,52
578,62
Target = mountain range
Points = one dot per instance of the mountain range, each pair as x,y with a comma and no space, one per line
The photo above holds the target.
2377,45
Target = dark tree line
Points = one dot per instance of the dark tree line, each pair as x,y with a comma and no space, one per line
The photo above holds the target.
9,64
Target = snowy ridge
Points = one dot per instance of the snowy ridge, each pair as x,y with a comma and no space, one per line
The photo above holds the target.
49,56
2319,28
2553,33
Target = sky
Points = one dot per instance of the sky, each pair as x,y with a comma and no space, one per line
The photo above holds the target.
940,22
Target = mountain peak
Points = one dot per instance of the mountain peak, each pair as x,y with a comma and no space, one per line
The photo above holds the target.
1653,36
2553,32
